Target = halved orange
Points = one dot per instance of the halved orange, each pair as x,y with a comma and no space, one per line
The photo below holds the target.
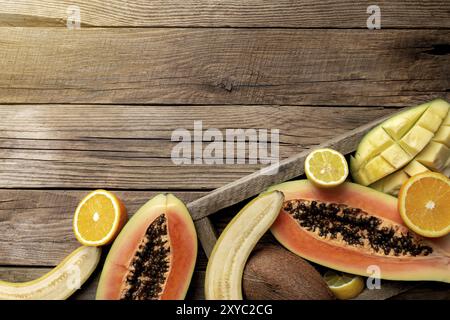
99,218
424,204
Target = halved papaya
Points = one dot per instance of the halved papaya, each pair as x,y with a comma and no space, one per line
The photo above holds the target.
154,255
351,228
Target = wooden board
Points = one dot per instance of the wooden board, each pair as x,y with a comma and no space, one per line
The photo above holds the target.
223,66
129,147
231,13
142,68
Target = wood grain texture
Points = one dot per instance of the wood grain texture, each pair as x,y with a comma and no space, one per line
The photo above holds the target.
231,13
36,225
223,66
85,146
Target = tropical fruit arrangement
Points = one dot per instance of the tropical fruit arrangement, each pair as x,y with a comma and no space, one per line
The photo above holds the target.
345,228
412,142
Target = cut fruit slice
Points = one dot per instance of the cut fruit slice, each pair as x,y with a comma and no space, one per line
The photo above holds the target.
225,267
443,136
415,140
446,121
99,218
434,156
375,142
153,257
377,168
360,177
392,183
440,108
398,125
424,204
326,167
351,228
430,121
396,156
344,286
58,284
415,167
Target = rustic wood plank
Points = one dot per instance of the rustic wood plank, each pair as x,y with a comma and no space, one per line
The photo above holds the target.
79,146
223,66
206,234
234,13
36,225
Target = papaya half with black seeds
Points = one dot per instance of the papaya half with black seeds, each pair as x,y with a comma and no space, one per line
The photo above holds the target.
153,257
353,228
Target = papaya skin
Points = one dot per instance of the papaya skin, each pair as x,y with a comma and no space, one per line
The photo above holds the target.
433,267
183,249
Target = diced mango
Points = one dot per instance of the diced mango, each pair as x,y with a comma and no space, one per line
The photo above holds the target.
415,167
440,108
360,178
415,140
398,125
434,156
377,168
396,156
375,142
447,168
392,183
446,121
430,121
443,135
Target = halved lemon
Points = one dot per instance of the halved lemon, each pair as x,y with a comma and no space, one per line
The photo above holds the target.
99,218
326,167
424,204
344,286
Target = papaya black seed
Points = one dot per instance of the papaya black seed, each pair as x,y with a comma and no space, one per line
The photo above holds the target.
148,268
353,226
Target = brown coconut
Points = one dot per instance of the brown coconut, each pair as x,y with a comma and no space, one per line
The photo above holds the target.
273,273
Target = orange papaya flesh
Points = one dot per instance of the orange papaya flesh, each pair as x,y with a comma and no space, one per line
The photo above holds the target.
352,228
154,255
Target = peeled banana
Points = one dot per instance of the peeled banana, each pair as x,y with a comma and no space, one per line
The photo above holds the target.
60,283
226,264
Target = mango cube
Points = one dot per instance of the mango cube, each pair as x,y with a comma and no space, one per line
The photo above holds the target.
439,107
377,168
415,140
443,136
446,121
392,183
415,167
396,156
375,142
434,156
430,121
398,125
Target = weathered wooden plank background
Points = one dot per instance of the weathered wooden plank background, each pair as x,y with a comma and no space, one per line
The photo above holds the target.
95,108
